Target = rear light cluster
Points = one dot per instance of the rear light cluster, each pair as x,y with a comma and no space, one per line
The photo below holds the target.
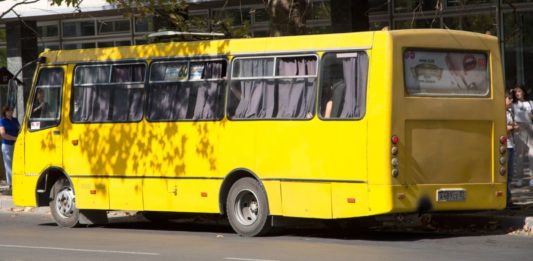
503,149
394,155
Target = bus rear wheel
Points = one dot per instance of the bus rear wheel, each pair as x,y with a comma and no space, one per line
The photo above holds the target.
63,204
247,208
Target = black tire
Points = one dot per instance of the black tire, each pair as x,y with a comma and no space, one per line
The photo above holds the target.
247,208
63,204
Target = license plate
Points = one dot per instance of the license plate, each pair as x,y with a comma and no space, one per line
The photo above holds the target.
448,195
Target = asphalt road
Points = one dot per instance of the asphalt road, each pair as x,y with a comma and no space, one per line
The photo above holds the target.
34,236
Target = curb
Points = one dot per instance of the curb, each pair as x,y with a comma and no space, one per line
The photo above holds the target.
6,202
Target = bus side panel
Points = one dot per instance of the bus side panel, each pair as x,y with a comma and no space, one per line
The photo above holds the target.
182,195
24,192
349,200
126,193
306,199
378,114
23,183
273,191
91,193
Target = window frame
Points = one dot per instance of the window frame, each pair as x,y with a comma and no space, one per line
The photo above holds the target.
34,92
365,88
248,56
188,61
109,83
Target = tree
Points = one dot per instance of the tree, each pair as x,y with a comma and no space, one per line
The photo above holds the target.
287,17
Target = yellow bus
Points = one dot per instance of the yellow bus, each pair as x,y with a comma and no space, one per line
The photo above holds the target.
319,126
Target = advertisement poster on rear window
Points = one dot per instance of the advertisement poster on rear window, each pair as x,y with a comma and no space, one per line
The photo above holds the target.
446,73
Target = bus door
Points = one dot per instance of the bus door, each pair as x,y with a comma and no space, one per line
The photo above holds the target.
43,139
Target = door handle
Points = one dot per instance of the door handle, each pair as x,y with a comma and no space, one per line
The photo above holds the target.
56,132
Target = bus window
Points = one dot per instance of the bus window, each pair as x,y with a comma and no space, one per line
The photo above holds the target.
47,99
280,87
181,90
343,85
108,93
446,73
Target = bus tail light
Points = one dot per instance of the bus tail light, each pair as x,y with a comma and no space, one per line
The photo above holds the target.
394,156
503,140
502,160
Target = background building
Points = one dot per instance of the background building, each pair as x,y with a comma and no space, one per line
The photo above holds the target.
97,24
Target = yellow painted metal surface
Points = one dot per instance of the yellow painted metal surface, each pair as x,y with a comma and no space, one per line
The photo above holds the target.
306,199
273,189
92,193
349,200
183,195
309,168
435,151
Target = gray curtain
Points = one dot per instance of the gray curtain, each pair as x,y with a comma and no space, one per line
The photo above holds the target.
256,96
296,96
208,95
362,75
103,103
52,76
350,93
355,74
280,98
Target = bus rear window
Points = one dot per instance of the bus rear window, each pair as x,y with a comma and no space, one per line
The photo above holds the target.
441,73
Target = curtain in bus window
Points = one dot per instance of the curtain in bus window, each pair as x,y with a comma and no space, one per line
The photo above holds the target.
256,96
296,95
362,72
354,71
92,74
169,101
126,103
161,96
101,105
126,99
84,98
127,73
350,92
208,95
50,77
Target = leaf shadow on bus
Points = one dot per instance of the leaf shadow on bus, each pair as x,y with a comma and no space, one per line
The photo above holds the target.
122,151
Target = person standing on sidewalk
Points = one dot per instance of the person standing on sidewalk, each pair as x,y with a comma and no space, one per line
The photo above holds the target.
9,129
523,149
512,127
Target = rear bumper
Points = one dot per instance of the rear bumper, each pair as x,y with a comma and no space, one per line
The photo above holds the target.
477,197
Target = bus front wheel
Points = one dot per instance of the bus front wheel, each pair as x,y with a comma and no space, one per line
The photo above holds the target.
247,208
63,204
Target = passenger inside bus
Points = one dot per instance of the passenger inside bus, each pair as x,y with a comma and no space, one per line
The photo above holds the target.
40,107
333,96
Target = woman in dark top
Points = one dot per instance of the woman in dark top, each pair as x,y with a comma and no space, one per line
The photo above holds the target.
9,129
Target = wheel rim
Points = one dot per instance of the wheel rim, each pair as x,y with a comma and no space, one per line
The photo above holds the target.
246,207
65,204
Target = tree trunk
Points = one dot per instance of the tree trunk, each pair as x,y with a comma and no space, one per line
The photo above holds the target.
287,17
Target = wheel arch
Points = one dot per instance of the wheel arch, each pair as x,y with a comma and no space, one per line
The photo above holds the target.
43,191
229,180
